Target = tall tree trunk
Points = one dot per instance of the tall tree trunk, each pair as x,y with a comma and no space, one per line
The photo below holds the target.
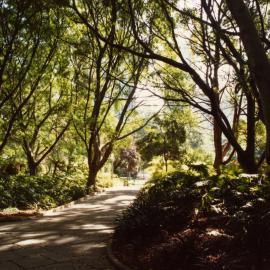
251,127
247,163
257,59
247,158
166,163
32,166
92,177
31,162
218,147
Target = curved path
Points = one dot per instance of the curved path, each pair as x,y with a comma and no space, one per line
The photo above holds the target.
73,238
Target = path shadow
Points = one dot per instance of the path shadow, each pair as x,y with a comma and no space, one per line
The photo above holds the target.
67,238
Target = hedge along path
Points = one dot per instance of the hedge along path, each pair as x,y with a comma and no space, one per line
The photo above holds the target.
69,238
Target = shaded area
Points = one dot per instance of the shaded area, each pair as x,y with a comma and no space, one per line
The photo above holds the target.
73,238
181,222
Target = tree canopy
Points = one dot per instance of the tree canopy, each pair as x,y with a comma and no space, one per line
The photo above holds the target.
73,74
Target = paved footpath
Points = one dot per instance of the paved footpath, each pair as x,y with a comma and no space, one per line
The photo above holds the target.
73,238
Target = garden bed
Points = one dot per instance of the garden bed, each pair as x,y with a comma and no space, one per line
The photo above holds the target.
183,222
14,214
30,194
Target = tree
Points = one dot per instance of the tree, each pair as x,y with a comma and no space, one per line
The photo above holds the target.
257,58
28,48
107,80
127,162
164,138
38,107
43,123
158,22
225,73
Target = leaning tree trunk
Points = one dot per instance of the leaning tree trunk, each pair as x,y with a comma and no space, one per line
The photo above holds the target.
245,159
257,59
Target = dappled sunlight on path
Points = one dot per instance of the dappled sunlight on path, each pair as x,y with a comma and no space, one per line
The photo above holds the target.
72,238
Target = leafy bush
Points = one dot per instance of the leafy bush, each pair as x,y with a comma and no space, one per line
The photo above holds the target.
40,191
104,180
182,207
160,202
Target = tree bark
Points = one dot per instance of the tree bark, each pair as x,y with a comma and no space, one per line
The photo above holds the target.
257,59
250,127
218,147
92,177
247,164
247,157
166,163
31,163
33,168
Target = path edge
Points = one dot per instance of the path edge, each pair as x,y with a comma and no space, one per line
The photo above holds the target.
41,213
115,261
68,205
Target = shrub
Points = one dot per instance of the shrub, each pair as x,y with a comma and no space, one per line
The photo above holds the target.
172,213
104,180
40,191
160,202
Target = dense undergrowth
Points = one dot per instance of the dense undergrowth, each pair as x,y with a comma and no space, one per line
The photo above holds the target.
45,192
26,192
191,220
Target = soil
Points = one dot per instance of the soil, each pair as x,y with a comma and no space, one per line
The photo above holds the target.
212,243
19,215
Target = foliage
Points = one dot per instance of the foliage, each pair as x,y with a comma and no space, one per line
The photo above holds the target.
69,101
164,138
104,112
127,163
195,200
105,180
39,191
189,156
156,205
